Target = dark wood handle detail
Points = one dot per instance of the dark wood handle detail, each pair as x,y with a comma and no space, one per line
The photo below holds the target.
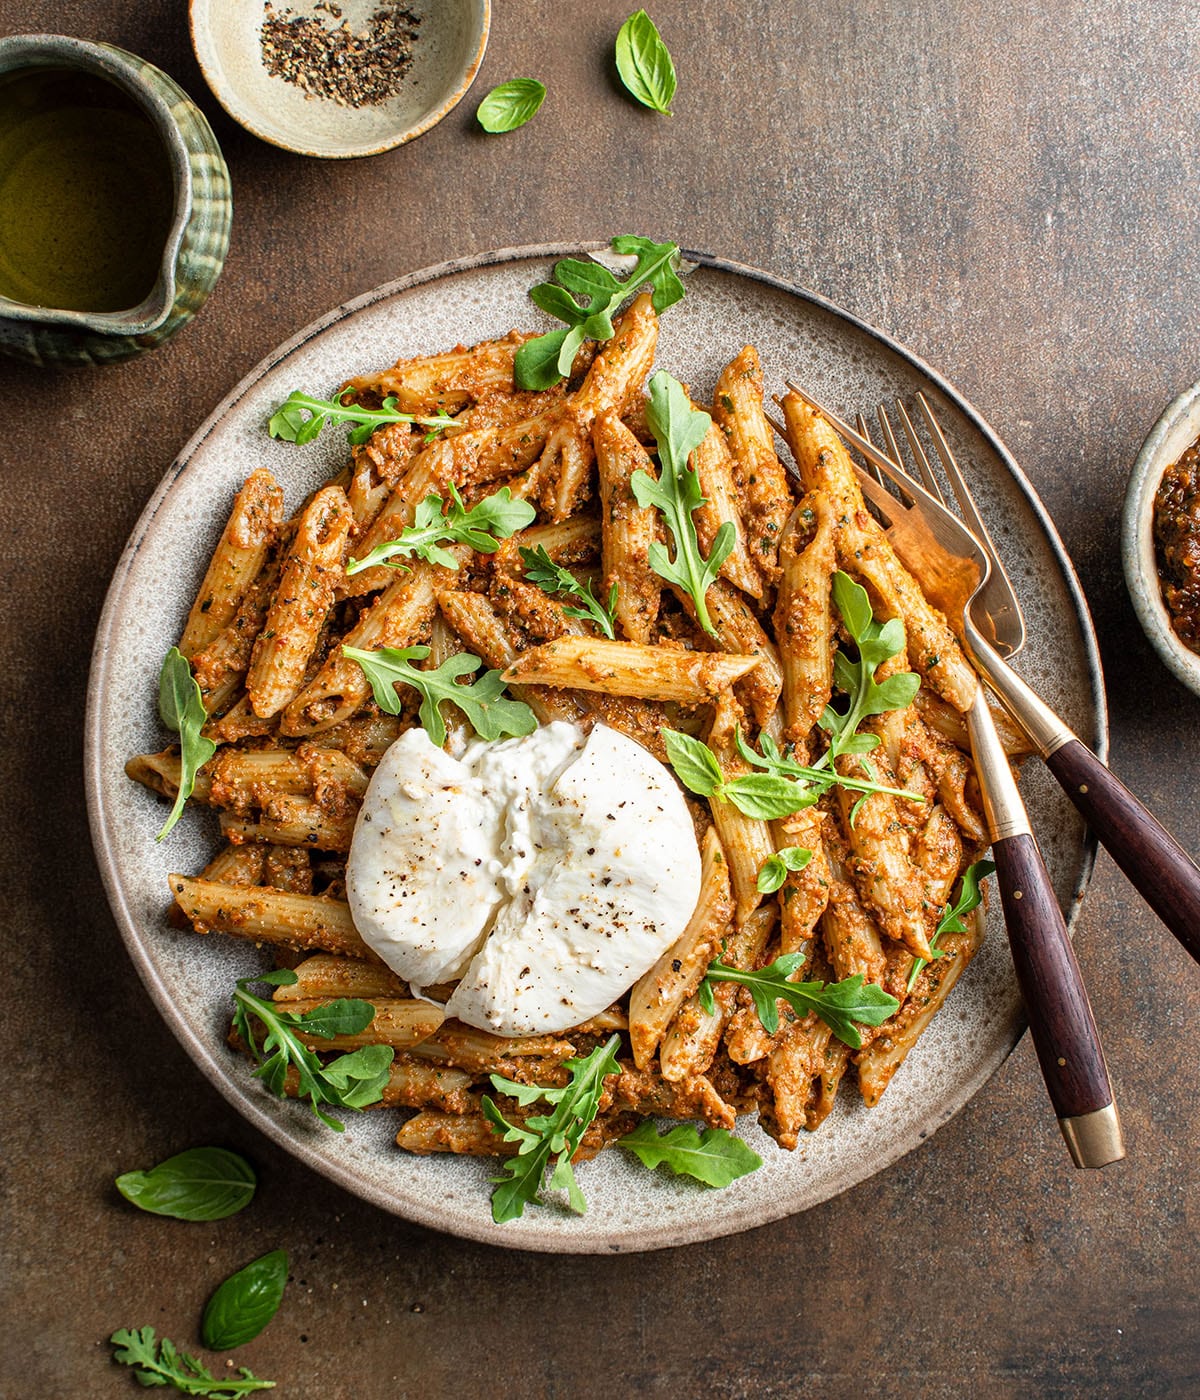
1060,1017
1156,864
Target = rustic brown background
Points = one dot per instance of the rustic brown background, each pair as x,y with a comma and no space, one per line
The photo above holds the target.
1008,188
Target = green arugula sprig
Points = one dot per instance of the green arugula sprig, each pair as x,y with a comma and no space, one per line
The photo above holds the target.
160,1363
839,1004
301,417
491,713
437,522
551,1138
679,429
353,1080
714,1156
553,578
586,295
242,1306
181,707
644,63
204,1183
876,642
970,897
785,787
774,870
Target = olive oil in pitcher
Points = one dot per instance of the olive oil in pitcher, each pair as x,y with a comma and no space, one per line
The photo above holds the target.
86,194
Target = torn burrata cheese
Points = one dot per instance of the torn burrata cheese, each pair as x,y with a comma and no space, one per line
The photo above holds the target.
547,873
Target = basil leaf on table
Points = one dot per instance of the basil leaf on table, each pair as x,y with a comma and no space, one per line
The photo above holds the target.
510,105
204,1183
644,63
243,1305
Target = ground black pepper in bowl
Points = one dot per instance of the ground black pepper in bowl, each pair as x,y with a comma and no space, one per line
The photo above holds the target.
356,68
1177,544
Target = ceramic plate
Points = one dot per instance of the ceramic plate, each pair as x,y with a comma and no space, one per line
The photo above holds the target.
844,362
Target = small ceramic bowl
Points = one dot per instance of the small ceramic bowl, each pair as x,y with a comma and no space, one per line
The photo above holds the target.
1174,432
451,36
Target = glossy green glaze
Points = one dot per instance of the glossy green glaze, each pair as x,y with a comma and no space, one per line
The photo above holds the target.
193,252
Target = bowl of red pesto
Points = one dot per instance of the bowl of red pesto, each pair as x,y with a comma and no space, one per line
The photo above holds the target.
1160,537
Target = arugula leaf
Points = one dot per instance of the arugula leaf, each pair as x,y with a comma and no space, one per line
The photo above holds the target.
877,642
300,418
679,429
785,787
511,104
242,1306
352,1080
181,707
714,1156
970,897
553,578
437,522
492,716
645,64
838,1004
774,870
544,360
161,1363
548,1138
204,1183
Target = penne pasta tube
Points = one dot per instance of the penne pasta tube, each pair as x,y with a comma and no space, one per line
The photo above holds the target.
803,614
324,975
297,614
236,561
628,530
714,466
746,841
626,668
649,1095
429,382
399,617
268,916
878,1061
658,995
399,1023
766,497
292,821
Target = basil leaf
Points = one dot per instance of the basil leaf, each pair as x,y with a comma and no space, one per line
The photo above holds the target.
181,707
694,763
243,1305
510,105
714,1156
769,797
644,63
204,1183
775,868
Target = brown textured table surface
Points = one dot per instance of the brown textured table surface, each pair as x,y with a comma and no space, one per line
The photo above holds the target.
1008,189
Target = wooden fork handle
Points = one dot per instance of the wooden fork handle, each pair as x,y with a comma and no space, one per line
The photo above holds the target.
1060,1016
1155,863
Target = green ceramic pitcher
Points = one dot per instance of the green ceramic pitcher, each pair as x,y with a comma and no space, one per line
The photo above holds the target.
195,220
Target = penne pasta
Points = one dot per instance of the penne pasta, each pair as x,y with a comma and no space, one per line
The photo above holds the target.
625,668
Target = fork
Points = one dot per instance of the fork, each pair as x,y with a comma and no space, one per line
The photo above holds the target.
1060,1017
1153,861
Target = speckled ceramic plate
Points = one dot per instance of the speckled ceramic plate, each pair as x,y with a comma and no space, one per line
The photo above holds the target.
797,333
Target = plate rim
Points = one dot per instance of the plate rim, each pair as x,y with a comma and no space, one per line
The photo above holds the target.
256,1111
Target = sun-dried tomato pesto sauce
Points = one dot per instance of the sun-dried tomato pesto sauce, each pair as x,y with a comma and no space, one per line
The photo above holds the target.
1177,542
